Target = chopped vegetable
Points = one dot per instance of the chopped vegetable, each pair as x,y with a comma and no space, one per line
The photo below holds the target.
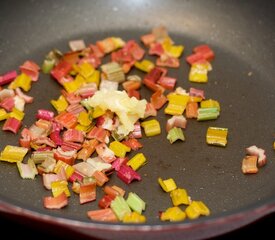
103,215
113,72
8,77
77,45
48,65
47,165
151,127
167,82
205,50
56,202
73,135
217,136
31,69
19,103
175,134
3,114
108,45
105,153
108,85
179,196
259,152
111,191
99,164
132,143
39,156
191,212
205,114
150,110
176,121
17,114
200,207
84,168
61,70
119,190
198,73
120,207
61,165
167,61
119,149
137,161
87,193
196,92
158,99
59,187
127,174
148,39
145,65
49,178
177,104
67,157
201,53
45,114
27,171
60,104
22,81
105,201
173,214
249,165
167,185
76,177
210,103
197,208
8,103
100,178
131,85
66,119
12,124
13,154
135,202
87,150
192,109
133,217
174,51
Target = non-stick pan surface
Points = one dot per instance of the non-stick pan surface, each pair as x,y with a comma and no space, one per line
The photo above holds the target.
242,80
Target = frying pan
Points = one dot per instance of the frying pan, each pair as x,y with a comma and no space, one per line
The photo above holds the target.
242,36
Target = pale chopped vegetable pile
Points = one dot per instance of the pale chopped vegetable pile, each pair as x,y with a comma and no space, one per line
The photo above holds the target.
95,126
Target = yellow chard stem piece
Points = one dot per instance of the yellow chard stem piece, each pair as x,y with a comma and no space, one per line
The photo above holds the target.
145,65
119,149
22,81
59,187
60,104
167,185
197,208
179,196
13,154
133,217
3,114
151,127
137,161
217,136
173,214
177,104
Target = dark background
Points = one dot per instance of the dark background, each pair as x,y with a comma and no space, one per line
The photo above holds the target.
263,228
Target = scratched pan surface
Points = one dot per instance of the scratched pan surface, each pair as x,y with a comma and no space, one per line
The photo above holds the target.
242,36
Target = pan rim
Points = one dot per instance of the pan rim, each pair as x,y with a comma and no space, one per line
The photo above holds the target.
246,215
